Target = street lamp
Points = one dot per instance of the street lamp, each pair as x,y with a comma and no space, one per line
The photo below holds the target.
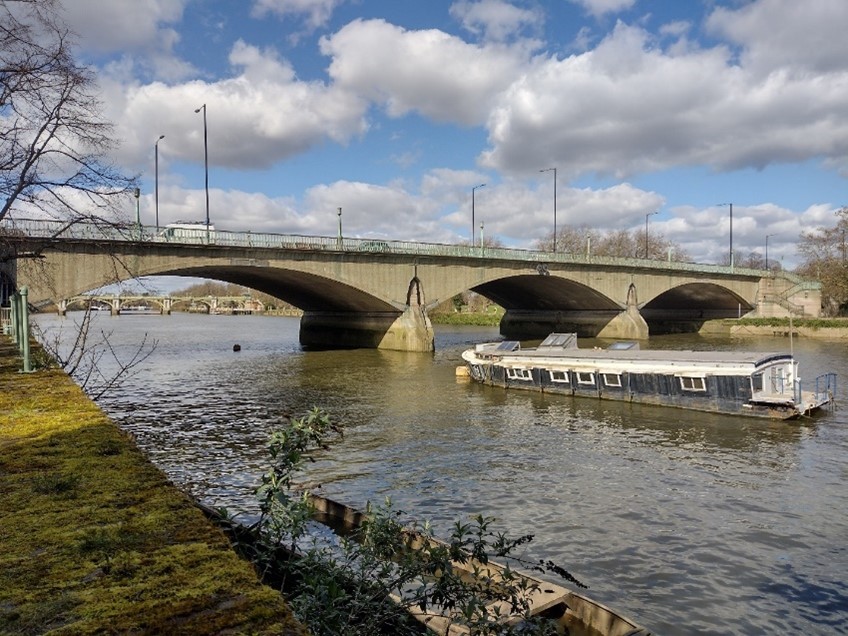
731,230
472,211
205,166
554,170
156,172
137,194
646,232
767,238
340,228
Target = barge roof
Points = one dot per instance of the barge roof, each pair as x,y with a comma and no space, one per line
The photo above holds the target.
657,355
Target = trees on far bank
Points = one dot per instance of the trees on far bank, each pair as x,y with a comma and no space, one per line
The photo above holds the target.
620,243
824,254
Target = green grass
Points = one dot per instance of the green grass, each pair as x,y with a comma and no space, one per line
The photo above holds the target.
477,319
95,540
810,323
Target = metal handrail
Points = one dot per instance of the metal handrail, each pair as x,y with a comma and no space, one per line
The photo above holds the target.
130,232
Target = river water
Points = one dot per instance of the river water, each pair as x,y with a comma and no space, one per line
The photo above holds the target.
688,523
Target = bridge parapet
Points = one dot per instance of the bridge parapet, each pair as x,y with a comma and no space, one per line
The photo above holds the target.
132,233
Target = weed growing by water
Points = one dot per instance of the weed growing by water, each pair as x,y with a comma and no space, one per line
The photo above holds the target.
384,574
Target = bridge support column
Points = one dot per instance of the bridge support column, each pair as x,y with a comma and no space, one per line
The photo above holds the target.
62,307
115,306
409,330
628,325
531,325
166,307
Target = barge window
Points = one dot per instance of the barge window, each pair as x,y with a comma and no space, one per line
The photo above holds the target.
559,376
585,378
612,379
693,384
518,374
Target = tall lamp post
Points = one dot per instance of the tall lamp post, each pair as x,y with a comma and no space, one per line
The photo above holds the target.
767,238
340,228
205,166
731,230
156,178
473,190
554,170
649,214
137,195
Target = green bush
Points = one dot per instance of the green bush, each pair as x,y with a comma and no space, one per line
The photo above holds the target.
376,579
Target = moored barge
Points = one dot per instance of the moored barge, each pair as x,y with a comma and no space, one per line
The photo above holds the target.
747,383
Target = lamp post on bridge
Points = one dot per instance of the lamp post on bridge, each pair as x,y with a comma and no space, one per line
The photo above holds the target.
767,238
205,165
473,190
649,214
731,230
156,178
554,170
137,195
340,228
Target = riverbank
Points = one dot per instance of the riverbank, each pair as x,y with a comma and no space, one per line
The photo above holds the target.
818,328
94,539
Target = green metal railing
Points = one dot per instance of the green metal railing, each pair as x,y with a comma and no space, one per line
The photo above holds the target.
88,231
18,325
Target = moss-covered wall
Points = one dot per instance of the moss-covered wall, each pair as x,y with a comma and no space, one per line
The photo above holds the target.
95,540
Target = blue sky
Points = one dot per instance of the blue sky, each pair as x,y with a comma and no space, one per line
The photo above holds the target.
394,110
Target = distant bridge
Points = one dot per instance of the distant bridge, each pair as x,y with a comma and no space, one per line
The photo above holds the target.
375,293
116,303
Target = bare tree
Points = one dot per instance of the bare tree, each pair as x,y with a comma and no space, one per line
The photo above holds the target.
54,141
620,243
90,353
824,254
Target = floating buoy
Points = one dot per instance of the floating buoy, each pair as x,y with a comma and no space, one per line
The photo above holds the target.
236,347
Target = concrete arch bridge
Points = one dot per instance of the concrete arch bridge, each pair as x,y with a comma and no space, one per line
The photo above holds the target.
368,293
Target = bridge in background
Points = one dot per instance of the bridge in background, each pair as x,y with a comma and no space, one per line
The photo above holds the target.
375,293
118,303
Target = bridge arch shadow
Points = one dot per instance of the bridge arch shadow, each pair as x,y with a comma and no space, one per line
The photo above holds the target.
305,291
687,307
537,304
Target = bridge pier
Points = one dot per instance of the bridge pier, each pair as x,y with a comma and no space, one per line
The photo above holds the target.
409,330
62,308
534,324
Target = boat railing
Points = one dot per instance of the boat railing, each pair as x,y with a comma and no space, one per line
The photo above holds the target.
825,387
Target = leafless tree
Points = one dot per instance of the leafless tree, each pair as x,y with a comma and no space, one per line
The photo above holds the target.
54,140
54,164
620,243
90,352
824,254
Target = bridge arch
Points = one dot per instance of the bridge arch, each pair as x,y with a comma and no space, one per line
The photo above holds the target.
544,293
686,307
539,303
304,290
